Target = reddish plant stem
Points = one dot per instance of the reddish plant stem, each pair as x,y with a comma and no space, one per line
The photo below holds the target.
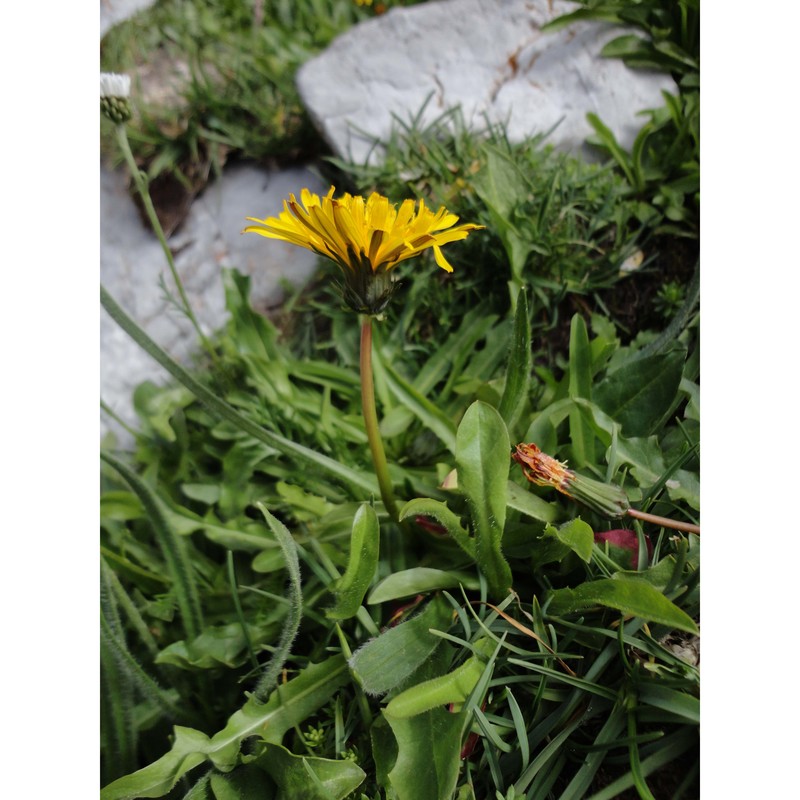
371,420
665,522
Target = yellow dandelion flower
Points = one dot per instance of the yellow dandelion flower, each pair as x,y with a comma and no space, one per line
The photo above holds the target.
367,238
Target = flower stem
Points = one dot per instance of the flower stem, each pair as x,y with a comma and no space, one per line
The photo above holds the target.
371,420
665,522
141,186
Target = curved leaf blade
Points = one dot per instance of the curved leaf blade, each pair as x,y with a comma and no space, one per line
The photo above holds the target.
482,460
633,597
364,550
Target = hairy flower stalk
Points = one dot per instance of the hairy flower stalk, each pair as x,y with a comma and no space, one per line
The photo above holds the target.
366,238
604,498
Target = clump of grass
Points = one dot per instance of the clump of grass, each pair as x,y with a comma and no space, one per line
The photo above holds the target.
220,80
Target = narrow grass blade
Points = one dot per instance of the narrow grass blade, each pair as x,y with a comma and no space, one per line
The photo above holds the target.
582,780
148,687
172,547
580,386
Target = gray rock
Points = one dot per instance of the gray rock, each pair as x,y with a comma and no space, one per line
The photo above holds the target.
132,263
487,56
113,12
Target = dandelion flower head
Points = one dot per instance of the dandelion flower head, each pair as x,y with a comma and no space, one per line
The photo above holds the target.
366,237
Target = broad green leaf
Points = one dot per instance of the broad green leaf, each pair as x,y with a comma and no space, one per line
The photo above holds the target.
622,46
541,431
387,661
500,184
482,460
576,535
185,522
518,371
202,790
188,751
288,706
580,386
157,405
241,784
643,455
419,580
268,561
641,392
693,406
364,546
218,645
648,467
454,687
384,750
121,506
425,507
205,493
530,504
684,485
428,755
633,597
306,506
310,778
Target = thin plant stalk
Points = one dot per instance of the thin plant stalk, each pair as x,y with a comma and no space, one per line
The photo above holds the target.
371,420
144,193
665,522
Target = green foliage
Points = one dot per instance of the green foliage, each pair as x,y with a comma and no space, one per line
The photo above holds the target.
482,533
482,448
235,72
554,223
266,629
663,166
353,585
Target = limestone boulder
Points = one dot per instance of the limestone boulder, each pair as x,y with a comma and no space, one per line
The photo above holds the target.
491,58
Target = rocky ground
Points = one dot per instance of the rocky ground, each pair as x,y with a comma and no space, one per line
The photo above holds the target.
391,66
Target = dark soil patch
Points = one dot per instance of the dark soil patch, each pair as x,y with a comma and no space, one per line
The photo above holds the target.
630,302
